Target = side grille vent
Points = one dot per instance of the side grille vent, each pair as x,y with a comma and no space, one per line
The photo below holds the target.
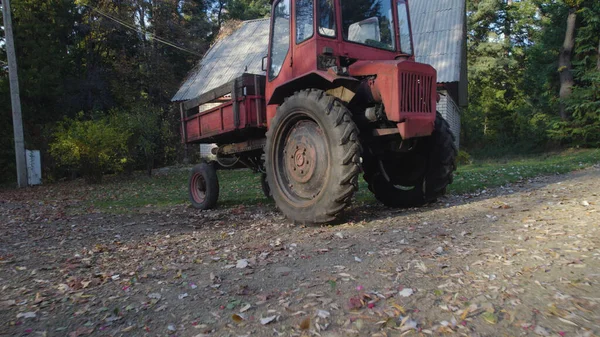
416,93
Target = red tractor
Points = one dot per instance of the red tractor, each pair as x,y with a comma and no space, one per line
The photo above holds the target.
342,94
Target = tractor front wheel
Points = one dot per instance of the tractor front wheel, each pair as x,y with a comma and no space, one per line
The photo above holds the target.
203,186
312,157
417,178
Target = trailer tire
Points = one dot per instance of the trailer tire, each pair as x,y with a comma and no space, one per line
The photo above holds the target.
203,186
440,153
312,157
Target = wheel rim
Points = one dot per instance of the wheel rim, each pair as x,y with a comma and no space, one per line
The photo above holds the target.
198,188
301,164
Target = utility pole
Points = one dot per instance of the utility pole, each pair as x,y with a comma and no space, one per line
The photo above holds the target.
14,96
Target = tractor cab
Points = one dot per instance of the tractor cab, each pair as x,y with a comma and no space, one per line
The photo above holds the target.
360,45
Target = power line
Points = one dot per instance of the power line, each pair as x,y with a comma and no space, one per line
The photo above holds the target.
152,36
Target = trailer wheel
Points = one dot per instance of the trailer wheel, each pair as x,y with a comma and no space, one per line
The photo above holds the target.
430,183
204,186
312,157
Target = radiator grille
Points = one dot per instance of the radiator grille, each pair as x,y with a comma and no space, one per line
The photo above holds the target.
416,91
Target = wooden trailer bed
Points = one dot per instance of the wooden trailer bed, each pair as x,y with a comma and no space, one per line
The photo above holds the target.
231,113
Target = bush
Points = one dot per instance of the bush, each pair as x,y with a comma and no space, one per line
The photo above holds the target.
149,135
90,147
463,158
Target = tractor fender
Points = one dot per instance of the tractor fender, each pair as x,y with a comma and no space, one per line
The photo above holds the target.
316,79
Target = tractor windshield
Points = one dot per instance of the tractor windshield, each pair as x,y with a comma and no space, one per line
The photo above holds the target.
369,22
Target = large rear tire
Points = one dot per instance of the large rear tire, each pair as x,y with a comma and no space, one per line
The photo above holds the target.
427,182
203,186
312,157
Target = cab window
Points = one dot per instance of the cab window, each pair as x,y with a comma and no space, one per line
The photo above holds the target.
326,18
304,20
280,40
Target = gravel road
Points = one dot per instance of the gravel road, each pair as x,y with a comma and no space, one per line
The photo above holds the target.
523,259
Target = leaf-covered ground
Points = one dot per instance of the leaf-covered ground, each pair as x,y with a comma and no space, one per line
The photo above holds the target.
522,259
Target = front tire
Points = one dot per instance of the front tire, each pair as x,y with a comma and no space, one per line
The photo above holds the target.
427,182
203,186
312,157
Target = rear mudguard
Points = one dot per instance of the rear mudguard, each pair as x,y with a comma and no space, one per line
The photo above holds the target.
317,79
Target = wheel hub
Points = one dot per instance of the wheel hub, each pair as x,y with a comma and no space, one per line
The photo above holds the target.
301,162
305,160
198,188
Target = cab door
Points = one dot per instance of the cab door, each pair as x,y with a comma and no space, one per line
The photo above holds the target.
279,65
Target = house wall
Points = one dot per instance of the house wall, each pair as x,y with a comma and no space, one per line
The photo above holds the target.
451,113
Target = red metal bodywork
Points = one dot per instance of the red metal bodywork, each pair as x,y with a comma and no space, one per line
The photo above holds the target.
221,119
407,88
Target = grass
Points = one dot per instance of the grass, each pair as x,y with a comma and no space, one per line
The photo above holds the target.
242,187
497,172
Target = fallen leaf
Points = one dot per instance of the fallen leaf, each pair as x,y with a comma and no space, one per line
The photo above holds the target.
238,318
81,331
490,317
539,330
29,314
323,313
155,296
406,292
400,308
305,324
267,320
7,303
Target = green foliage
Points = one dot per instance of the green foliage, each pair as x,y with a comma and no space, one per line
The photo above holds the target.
583,128
513,75
248,9
151,135
72,58
463,158
584,104
90,147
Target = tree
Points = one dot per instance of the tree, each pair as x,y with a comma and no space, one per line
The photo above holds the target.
564,61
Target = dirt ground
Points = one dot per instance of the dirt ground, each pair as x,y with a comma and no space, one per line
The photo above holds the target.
523,259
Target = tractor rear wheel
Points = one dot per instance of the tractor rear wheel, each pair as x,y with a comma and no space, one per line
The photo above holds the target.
312,157
433,166
203,186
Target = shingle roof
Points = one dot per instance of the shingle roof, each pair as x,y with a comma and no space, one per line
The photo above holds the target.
438,32
241,52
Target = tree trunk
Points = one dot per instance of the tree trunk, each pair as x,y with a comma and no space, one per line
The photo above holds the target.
598,59
564,63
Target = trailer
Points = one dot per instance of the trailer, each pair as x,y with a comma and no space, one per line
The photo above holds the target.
233,116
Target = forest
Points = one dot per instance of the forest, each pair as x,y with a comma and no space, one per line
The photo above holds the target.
102,72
